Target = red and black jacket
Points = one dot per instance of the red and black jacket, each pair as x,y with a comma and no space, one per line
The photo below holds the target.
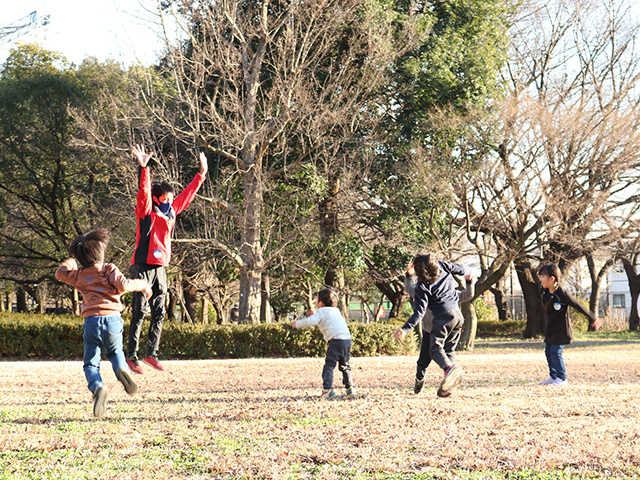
153,235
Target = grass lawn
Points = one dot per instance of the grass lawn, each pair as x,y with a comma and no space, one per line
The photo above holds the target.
259,418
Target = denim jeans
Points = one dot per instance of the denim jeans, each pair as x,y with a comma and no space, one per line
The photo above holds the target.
424,359
445,335
102,332
338,352
157,277
555,361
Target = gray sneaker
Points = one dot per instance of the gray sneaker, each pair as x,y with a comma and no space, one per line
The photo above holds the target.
417,387
451,380
99,400
126,380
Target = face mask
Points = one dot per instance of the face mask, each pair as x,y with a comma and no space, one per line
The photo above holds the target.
164,207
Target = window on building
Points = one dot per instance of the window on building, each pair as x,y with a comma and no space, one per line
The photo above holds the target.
618,300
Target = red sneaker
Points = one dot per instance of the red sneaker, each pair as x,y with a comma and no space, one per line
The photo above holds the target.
134,365
153,362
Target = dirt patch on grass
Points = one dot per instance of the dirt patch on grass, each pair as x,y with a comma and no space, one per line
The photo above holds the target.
259,418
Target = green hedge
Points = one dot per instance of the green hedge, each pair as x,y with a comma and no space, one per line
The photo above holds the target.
31,336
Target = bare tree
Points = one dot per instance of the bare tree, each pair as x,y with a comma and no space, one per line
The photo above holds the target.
267,88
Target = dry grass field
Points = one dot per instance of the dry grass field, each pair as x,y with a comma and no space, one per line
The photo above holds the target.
259,418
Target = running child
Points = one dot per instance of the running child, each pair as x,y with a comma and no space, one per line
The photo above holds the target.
101,285
338,337
558,330
436,291
424,359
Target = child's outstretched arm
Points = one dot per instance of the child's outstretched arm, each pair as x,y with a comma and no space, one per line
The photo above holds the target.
469,291
594,321
124,285
67,272
307,322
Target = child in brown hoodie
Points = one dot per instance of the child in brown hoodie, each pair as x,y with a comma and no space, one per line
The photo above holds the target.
101,285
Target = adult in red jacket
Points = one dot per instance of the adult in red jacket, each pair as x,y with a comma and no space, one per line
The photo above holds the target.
156,211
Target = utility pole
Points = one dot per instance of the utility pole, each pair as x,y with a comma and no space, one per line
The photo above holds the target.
13,31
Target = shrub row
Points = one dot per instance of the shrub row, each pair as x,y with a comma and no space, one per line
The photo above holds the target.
56,337
30,336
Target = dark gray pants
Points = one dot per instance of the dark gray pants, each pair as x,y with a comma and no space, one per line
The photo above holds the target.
157,278
445,336
338,352
424,359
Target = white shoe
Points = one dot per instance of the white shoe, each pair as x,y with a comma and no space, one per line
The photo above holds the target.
548,381
559,382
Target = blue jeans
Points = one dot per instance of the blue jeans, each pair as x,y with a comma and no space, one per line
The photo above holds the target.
99,332
555,361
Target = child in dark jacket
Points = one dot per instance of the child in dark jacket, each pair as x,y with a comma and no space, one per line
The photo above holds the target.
558,330
424,358
436,290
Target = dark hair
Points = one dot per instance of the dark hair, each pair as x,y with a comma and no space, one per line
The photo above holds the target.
550,270
328,296
427,267
89,249
159,189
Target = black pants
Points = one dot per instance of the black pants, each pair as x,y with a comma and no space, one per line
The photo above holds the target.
157,278
445,335
424,359
338,352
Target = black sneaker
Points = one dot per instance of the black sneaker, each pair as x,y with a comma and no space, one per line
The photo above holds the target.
126,380
451,380
99,400
417,387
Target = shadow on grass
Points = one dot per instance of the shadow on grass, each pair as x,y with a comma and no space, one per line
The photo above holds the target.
539,343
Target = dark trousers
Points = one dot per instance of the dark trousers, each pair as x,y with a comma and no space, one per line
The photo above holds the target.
338,352
445,335
157,278
424,359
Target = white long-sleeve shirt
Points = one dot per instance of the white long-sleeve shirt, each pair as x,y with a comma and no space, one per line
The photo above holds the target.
330,322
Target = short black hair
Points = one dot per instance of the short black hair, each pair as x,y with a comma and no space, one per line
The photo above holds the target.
159,189
550,270
89,249
427,267
328,297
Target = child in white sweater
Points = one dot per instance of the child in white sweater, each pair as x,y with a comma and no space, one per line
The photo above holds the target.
336,332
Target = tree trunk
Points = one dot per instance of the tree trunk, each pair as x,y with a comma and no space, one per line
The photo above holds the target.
204,310
251,249
634,287
21,299
75,302
467,340
214,296
265,305
190,294
173,297
394,291
503,307
531,292
334,278
250,296
596,283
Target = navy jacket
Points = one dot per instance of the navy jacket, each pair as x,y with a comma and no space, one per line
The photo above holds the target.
440,296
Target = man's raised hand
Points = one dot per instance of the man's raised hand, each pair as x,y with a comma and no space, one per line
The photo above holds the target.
141,155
